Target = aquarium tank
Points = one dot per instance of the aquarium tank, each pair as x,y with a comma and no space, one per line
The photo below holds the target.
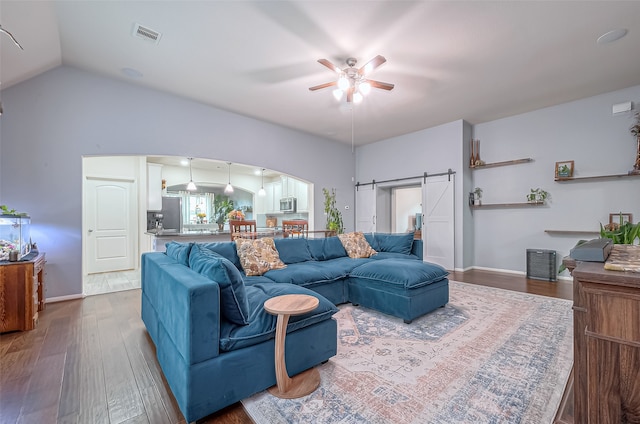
15,234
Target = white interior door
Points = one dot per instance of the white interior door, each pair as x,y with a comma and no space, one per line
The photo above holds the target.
438,222
110,222
366,208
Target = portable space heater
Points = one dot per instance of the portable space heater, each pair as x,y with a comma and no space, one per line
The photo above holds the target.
541,265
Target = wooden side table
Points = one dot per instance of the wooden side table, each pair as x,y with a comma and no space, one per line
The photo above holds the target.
307,381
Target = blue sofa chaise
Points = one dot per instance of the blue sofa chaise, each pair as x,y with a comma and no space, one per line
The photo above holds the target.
213,338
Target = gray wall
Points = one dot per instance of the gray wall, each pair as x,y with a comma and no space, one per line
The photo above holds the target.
52,120
584,131
433,150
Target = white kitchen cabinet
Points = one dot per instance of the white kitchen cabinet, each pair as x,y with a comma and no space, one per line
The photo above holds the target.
274,194
154,187
302,194
288,186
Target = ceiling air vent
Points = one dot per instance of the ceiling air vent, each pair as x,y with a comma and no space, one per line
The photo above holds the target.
146,33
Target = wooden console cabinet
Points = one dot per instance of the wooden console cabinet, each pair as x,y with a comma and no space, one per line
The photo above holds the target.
21,293
606,345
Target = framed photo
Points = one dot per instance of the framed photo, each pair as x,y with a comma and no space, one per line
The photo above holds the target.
614,218
564,169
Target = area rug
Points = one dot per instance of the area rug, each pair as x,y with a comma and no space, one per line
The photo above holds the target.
489,356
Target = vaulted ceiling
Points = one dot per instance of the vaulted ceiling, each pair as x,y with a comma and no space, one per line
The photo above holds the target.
449,60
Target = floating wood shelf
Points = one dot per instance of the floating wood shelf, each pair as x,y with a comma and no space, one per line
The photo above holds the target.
570,232
508,205
505,163
596,177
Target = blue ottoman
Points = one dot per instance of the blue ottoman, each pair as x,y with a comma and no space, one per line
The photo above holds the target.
404,289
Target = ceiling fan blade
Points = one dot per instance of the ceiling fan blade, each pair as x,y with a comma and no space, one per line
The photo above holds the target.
371,65
380,84
349,95
325,85
330,65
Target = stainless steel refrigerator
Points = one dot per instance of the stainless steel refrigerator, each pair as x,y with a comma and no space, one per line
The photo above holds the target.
172,213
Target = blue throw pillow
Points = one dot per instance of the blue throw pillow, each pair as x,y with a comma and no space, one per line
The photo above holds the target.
327,248
293,250
179,252
233,297
227,249
395,243
371,239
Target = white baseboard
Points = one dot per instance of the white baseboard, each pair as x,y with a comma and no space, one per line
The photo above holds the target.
64,298
505,271
510,271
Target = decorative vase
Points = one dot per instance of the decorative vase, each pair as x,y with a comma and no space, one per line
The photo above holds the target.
472,159
636,166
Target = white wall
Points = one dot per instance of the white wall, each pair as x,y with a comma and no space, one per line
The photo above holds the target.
408,202
54,119
584,131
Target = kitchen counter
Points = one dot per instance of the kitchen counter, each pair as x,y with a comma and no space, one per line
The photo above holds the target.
199,236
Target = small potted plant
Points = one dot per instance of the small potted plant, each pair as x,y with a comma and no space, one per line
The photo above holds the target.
537,196
635,131
222,205
478,193
334,216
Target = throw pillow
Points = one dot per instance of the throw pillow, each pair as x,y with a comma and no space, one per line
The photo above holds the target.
396,243
258,256
178,251
323,249
234,304
293,250
356,245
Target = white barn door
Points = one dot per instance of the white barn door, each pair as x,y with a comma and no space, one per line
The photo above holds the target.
366,208
438,223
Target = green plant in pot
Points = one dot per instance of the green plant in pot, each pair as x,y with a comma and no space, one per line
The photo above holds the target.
538,196
622,233
334,216
478,193
222,205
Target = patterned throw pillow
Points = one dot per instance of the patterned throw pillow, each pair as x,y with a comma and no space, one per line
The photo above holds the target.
356,245
258,256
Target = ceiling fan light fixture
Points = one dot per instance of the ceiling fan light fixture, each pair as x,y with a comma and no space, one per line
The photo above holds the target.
343,82
337,94
364,88
357,97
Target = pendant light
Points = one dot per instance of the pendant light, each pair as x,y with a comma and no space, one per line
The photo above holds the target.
261,192
191,186
229,188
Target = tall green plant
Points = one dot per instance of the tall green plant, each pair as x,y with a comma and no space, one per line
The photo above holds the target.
222,205
623,233
334,216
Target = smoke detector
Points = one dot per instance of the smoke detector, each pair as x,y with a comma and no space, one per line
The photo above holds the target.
146,33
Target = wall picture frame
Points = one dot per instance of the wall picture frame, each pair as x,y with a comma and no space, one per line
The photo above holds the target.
614,218
564,169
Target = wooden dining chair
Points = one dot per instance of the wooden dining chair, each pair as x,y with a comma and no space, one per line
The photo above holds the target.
295,228
245,228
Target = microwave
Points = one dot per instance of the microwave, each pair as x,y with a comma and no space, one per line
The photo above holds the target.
288,204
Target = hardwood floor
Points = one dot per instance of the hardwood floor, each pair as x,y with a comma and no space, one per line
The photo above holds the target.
91,361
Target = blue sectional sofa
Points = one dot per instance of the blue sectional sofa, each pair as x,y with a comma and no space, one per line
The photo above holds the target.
213,337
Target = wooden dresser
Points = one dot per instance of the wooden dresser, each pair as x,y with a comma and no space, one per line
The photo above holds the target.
606,345
21,293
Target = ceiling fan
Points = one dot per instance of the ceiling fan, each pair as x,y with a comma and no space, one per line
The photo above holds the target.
353,81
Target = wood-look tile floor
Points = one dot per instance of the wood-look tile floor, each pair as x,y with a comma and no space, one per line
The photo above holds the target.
91,361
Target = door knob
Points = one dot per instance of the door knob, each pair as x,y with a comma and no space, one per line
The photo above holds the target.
91,231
